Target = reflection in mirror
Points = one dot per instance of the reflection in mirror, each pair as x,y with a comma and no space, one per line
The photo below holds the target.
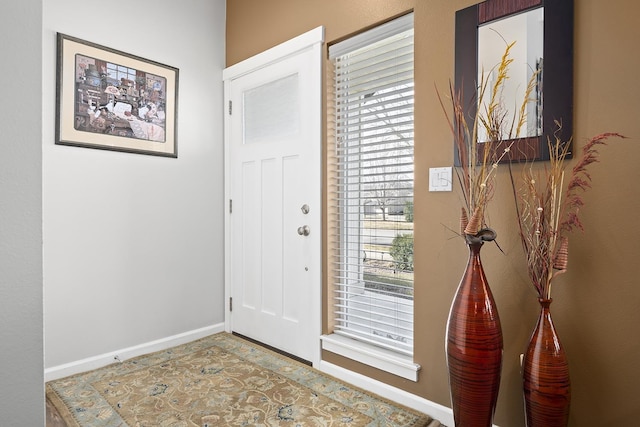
527,31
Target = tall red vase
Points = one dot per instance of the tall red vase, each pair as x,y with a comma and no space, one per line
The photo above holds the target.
546,382
474,346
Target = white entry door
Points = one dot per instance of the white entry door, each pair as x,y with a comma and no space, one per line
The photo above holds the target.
273,185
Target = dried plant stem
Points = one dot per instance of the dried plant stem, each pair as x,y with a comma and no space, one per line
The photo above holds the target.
479,159
547,210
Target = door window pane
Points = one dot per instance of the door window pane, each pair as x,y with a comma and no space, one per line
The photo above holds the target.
272,111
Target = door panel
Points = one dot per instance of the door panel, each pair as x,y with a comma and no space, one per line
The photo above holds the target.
273,168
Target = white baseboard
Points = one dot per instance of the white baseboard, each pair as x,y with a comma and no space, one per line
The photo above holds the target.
434,410
95,362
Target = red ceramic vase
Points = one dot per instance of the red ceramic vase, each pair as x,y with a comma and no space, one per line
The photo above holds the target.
547,387
474,347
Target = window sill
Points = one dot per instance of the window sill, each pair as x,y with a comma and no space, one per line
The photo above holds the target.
370,355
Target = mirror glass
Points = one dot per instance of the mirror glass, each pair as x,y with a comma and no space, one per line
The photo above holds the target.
527,31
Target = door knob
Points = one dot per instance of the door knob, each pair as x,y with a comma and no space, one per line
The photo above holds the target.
304,230
305,209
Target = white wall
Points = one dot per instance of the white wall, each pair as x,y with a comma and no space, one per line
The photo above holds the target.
133,244
21,391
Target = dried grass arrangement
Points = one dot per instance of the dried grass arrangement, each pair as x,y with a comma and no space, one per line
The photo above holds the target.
479,160
547,211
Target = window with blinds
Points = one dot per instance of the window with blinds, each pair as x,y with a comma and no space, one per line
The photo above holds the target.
372,197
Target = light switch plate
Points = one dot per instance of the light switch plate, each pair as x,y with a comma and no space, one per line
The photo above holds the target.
440,179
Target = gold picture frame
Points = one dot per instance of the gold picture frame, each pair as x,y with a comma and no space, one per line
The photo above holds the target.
111,100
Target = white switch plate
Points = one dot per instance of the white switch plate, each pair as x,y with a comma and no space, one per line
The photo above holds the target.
440,179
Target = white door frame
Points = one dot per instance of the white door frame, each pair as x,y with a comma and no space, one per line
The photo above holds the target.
310,40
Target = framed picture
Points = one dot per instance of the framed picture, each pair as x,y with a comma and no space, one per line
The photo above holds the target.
111,100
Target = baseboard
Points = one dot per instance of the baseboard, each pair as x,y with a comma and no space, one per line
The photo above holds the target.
434,410
95,362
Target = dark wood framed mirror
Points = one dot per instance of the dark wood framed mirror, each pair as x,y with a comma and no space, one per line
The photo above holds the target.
555,101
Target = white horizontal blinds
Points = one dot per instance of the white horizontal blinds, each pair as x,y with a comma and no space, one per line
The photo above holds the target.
373,192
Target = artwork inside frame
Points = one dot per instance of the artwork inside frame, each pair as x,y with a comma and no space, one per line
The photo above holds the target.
111,100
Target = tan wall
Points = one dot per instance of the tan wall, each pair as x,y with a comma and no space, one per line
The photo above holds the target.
596,303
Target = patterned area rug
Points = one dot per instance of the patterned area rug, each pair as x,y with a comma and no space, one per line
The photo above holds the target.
220,380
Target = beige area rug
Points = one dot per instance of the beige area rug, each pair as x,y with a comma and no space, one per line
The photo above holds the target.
221,380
